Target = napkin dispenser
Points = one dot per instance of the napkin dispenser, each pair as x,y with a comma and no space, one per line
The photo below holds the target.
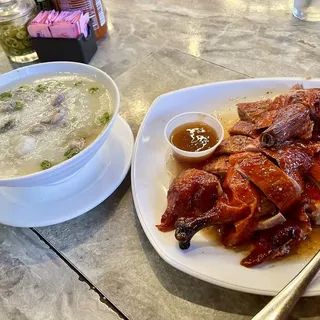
80,49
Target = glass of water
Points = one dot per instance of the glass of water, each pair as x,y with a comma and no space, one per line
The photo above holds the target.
308,10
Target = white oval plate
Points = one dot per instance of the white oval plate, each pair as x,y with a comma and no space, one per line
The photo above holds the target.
97,180
150,181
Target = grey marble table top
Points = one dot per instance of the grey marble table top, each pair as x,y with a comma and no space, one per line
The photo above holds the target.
101,265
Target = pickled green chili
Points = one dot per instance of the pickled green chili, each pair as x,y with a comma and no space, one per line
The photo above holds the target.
15,40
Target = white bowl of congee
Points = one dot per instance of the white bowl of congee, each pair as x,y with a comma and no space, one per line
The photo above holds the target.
54,117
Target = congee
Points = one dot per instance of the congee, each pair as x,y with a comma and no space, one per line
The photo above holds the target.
47,121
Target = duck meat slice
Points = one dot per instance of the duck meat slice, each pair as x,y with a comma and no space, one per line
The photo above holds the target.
217,165
295,162
311,99
223,212
293,159
310,147
244,128
233,144
293,122
252,111
266,120
238,157
242,231
308,97
240,201
275,242
279,109
238,188
239,232
192,193
261,113
278,187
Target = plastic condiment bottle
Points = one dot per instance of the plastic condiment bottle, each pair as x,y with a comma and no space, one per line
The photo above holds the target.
95,9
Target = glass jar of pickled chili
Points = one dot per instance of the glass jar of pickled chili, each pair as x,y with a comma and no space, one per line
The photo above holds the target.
15,16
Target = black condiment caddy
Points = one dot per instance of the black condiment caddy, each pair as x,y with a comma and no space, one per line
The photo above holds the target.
80,49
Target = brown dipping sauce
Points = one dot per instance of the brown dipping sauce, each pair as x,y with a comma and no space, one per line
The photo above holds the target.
194,137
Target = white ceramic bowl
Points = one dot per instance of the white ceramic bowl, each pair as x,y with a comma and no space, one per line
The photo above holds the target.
188,117
69,167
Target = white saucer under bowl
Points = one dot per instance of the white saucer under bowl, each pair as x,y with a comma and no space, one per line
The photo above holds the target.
97,180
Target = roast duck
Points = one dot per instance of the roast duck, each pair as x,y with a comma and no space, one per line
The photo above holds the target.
261,184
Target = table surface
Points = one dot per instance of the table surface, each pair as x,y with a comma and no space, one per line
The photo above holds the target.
101,265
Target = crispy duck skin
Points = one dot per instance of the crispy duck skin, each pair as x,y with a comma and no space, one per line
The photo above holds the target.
243,190
310,147
217,165
278,187
266,112
274,242
251,111
242,204
308,97
293,122
262,113
293,159
266,119
223,212
192,193
279,240
239,232
233,144
238,157
244,128
237,187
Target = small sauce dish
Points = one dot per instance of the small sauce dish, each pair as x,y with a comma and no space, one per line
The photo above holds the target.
196,131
